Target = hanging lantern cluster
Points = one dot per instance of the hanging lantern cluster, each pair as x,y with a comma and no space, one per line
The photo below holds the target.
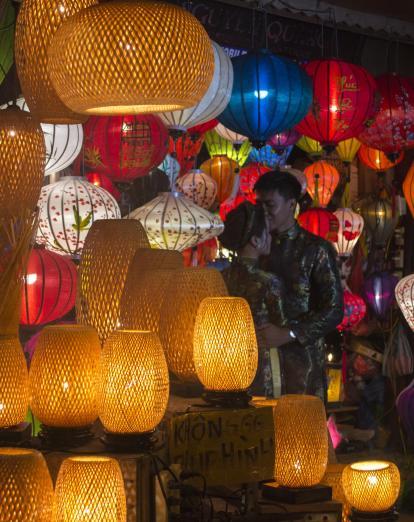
377,160
379,291
219,146
320,222
267,156
224,171
322,179
350,229
354,311
7,16
199,187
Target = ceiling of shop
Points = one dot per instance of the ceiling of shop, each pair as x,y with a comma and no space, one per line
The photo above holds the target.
402,9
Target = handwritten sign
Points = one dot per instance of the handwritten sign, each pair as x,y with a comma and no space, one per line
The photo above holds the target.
228,447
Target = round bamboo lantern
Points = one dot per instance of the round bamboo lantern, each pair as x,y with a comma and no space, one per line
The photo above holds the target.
26,487
109,249
121,58
186,290
22,161
64,376
134,382
333,479
225,346
301,439
14,383
199,187
37,23
371,486
90,488
223,170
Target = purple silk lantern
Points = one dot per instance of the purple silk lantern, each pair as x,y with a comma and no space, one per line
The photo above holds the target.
379,293
282,140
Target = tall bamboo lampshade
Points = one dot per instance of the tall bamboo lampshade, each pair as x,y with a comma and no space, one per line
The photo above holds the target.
301,439
90,488
371,486
186,290
26,487
199,187
225,346
134,66
64,379
107,254
37,23
134,385
14,383
223,170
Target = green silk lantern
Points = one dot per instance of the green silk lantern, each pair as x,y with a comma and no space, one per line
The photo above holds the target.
7,19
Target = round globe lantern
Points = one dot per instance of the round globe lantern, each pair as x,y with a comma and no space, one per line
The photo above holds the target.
199,187
404,295
354,311
224,171
379,218
320,222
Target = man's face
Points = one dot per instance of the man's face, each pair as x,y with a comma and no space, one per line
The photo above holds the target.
278,210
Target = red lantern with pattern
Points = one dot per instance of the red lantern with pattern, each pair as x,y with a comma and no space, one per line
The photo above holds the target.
343,100
100,180
322,179
248,177
354,311
185,149
320,222
231,203
125,147
49,289
376,160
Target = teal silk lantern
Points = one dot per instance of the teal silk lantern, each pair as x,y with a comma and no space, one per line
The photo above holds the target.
7,19
270,94
269,157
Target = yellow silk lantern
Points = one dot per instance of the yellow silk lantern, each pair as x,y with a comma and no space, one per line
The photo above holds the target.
310,146
217,145
223,170
347,149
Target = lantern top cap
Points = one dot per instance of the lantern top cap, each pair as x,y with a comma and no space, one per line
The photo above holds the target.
89,458
370,465
16,452
135,332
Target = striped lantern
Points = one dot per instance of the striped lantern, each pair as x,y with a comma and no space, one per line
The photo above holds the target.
224,171
379,218
351,225
404,294
320,222
322,179
234,137
408,188
310,146
377,160
199,187
219,146
347,149
282,140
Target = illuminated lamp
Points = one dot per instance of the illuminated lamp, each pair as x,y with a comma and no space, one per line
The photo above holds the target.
185,149
392,129
379,218
174,222
67,210
408,188
223,170
121,58
248,177
186,290
171,168
7,21
372,487
233,137
347,149
100,180
219,146
134,387
63,380
225,349
269,157
125,147
320,222
377,160
270,94
49,288
310,146
343,100
203,255
202,128
233,202
109,249
281,140
354,311
212,103
322,179
379,293
26,486
199,187
351,225
404,295
90,488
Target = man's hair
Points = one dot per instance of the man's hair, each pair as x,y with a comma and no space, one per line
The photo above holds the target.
278,181
241,224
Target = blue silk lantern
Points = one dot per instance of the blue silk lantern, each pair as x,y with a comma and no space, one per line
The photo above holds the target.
379,293
267,156
270,94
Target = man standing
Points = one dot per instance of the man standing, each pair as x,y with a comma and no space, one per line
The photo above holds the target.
314,301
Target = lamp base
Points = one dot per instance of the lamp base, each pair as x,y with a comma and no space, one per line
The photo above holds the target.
128,442
184,389
381,516
227,399
58,438
16,435
272,491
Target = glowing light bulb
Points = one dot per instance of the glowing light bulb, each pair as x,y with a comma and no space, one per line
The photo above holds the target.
261,94
330,357
31,279
12,133
65,386
61,8
333,108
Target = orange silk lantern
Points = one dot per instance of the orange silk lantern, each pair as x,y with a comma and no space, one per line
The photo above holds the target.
408,188
223,170
322,179
376,159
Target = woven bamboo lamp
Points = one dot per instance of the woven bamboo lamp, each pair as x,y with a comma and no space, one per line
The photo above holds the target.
225,349
90,488
64,383
186,290
134,387
22,161
371,487
26,487
223,170
109,249
333,479
37,23
199,187
121,58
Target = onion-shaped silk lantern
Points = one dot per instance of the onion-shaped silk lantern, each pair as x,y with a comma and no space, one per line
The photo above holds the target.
343,100
393,127
379,218
212,103
7,19
322,179
174,222
185,149
171,168
248,177
312,147
269,157
219,146
354,311
199,187
347,149
270,94
320,222
379,293
49,289
351,225
134,68
281,140
408,188
125,147
404,295
377,160
224,171
234,137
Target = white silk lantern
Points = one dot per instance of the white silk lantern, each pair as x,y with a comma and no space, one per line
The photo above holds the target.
404,294
350,229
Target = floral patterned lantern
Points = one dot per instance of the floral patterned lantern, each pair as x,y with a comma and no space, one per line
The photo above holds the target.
174,222
199,187
67,209
282,140
310,146
408,188
320,222
185,149
7,15
351,225
223,170
100,180
343,100
379,218
379,291
233,202
347,149
248,177
171,167
377,160
125,147
234,137
219,146
404,294
322,179
393,126
354,311
269,157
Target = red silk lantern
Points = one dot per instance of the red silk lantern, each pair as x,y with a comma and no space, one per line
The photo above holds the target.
100,180
202,254
322,179
125,147
248,177
49,289
354,311
231,203
393,126
376,160
408,188
185,149
320,222
203,127
343,100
